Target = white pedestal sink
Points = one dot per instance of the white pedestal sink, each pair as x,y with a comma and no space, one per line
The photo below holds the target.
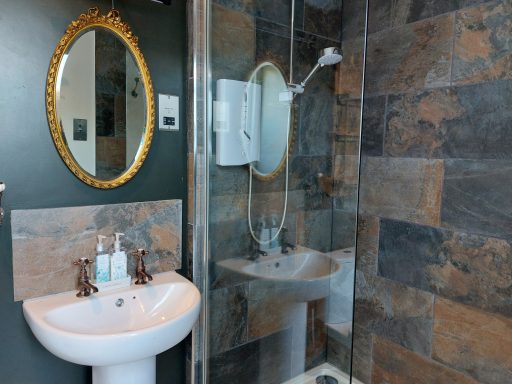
119,333
300,276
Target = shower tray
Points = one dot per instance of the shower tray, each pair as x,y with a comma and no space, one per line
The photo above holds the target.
324,369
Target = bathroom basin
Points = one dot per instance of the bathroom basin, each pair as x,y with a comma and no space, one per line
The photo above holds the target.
116,327
301,264
302,274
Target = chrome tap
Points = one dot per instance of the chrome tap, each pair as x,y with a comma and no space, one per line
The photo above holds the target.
255,252
284,242
142,276
84,286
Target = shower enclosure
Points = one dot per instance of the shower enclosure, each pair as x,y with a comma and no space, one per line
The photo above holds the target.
274,247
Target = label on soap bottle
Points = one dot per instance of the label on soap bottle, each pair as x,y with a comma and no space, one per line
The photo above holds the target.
118,268
102,268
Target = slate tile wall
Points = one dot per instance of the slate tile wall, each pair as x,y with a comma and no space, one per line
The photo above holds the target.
434,262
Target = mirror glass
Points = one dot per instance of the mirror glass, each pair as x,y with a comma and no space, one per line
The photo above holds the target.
267,94
101,103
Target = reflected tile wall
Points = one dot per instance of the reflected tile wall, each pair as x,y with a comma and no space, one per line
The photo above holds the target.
233,43
323,18
47,241
246,32
249,365
259,31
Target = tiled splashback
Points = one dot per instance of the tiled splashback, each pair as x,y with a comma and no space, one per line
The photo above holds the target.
45,242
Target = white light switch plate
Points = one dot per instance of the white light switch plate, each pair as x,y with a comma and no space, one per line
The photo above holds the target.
168,112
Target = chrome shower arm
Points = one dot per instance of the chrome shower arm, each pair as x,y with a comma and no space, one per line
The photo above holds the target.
299,88
328,56
310,74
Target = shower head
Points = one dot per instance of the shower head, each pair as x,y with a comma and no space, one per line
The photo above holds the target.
329,56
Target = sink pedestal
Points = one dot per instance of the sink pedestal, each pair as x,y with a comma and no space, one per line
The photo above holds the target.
135,372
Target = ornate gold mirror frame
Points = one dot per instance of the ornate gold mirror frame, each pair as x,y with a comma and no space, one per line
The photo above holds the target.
112,22
291,129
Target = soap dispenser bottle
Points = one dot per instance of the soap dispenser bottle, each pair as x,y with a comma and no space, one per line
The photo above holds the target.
264,234
273,233
118,264
102,262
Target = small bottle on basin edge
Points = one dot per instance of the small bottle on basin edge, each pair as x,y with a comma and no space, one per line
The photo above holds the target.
273,233
102,267
264,234
118,264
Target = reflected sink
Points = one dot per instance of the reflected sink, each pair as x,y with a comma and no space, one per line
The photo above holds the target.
119,332
303,273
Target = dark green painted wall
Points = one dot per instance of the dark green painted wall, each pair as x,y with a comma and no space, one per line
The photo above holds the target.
35,175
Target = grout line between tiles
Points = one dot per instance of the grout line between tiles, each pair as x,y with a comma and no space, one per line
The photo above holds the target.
454,30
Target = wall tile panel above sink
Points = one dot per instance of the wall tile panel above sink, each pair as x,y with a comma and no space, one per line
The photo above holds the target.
45,242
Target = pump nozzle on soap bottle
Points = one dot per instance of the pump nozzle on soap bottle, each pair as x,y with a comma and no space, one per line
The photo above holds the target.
117,241
99,245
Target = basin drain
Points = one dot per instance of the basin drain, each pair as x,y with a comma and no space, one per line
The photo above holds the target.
324,379
119,303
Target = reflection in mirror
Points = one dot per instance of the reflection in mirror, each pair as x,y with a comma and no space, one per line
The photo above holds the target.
99,100
101,103
275,118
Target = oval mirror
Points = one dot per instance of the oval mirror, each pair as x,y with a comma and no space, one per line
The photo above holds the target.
99,100
267,94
